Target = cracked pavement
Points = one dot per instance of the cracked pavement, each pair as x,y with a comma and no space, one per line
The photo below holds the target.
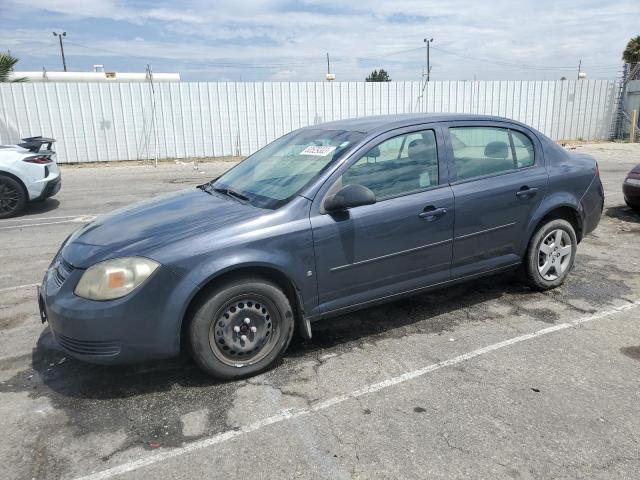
562,405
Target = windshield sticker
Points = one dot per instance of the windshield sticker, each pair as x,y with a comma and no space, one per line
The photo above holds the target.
318,151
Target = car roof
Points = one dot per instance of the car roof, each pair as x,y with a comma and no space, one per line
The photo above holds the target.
381,123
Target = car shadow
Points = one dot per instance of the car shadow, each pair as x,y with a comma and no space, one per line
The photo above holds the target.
434,312
623,212
73,378
44,206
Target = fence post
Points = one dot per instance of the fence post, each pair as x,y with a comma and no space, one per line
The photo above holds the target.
633,126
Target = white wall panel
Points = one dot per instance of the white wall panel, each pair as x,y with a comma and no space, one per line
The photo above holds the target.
110,122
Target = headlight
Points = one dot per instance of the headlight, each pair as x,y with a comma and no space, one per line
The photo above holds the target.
114,278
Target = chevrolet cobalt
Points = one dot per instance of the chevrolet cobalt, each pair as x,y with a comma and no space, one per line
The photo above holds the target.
324,220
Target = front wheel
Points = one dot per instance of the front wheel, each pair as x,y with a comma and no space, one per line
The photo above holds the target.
633,206
241,328
550,255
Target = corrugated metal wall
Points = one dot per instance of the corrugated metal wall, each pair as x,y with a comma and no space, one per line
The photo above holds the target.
100,122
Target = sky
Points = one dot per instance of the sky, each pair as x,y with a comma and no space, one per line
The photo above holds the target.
280,40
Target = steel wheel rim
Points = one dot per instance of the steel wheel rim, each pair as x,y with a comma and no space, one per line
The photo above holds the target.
9,197
237,342
554,254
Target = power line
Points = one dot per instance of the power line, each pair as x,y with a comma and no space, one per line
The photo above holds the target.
221,63
485,60
523,66
231,64
224,63
38,48
390,54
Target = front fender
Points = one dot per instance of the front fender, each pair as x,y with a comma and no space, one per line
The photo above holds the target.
291,256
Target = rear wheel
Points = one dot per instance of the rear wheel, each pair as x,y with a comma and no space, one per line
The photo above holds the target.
550,255
241,328
12,197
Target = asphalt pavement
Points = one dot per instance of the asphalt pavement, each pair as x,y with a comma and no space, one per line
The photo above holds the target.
483,380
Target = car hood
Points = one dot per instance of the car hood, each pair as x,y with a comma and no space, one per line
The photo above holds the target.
142,227
636,169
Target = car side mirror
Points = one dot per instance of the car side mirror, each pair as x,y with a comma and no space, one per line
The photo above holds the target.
349,197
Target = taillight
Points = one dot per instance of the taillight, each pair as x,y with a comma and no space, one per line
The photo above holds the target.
39,159
597,170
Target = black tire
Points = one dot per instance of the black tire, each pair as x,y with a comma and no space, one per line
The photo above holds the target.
219,350
632,206
13,198
535,259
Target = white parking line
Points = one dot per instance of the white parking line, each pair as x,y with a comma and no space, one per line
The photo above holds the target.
18,287
289,414
78,219
21,219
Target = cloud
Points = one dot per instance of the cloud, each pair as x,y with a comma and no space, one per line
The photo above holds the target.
267,39
283,75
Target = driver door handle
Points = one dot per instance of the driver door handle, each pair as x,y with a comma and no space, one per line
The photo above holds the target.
432,213
526,192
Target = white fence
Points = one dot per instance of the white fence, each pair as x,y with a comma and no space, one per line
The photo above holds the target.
100,122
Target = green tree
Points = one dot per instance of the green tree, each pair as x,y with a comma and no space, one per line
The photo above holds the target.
7,62
378,76
631,55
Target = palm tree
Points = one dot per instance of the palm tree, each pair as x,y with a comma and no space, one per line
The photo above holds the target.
7,62
631,55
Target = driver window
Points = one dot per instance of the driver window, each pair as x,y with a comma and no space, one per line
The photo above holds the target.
397,166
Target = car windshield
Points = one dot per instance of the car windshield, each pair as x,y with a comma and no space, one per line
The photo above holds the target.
273,175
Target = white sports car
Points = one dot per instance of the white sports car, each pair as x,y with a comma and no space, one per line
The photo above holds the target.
28,173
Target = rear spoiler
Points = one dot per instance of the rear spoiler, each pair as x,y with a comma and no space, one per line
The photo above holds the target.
36,144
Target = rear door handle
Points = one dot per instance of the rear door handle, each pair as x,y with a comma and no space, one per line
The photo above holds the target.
526,192
432,213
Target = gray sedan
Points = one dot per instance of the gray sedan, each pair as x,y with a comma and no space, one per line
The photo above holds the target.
325,220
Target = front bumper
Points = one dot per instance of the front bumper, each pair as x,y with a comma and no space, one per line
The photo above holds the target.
631,193
141,326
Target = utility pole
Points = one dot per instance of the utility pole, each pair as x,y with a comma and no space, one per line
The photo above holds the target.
330,76
428,59
60,35
153,112
579,68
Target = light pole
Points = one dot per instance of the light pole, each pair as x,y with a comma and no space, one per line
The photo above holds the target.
428,59
60,35
330,76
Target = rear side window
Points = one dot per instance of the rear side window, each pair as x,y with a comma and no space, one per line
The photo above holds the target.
523,148
483,151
